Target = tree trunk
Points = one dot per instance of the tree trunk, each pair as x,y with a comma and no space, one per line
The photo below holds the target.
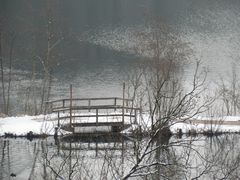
10,74
2,75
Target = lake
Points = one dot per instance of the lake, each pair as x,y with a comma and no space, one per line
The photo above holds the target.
100,57
111,158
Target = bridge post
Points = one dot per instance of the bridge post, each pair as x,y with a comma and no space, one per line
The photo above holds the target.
123,103
70,104
89,104
97,116
58,119
63,103
115,103
135,114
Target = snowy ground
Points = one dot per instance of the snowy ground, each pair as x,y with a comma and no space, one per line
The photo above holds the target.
200,128
203,124
23,124
45,124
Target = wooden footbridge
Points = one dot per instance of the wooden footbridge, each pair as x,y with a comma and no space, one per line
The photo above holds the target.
94,115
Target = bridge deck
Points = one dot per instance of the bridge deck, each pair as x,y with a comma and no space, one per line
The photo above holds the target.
97,108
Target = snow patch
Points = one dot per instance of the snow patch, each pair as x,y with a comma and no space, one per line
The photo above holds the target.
46,123
22,125
200,128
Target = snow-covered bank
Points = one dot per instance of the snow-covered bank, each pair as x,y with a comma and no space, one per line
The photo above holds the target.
24,124
201,128
204,124
45,124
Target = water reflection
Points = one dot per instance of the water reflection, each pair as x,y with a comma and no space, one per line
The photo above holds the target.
98,58
90,157
112,157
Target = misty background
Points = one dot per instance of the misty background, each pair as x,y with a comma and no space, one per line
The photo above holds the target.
95,52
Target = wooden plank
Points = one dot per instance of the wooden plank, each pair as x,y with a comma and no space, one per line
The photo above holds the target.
92,107
92,129
86,107
99,115
94,148
86,99
99,124
116,127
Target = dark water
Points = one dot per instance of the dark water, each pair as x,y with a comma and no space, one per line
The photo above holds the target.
99,57
211,27
112,158
101,54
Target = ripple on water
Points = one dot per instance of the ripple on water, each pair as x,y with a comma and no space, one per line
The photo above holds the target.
16,157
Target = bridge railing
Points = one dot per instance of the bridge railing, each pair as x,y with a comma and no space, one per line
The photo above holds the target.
72,108
87,102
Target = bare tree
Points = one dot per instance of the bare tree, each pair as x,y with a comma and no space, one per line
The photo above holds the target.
229,93
1,65
53,40
7,42
165,98
12,41
45,39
